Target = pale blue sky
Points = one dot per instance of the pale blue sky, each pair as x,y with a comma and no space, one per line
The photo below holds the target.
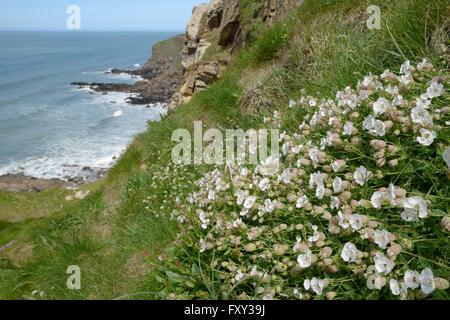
97,15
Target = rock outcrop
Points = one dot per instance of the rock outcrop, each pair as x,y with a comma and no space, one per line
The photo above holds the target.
162,75
274,10
218,27
230,23
186,64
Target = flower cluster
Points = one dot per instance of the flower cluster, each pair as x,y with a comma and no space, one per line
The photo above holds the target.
349,208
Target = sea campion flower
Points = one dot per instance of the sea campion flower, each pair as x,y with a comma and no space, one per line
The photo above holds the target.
382,264
374,126
427,282
415,208
420,115
412,279
356,222
382,238
349,129
427,137
406,67
301,201
316,180
378,199
424,66
316,285
381,106
362,175
249,202
349,252
338,165
435,90
337,185
305,260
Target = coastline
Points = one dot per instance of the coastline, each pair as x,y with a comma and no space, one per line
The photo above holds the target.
157,81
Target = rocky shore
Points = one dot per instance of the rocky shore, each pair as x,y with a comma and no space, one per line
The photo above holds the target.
161,75
22,183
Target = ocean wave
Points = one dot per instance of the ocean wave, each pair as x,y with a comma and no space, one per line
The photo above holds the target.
63,167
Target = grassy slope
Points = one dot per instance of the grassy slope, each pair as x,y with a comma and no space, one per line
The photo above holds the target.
116,234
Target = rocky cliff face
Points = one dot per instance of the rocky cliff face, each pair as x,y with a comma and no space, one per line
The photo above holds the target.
214,34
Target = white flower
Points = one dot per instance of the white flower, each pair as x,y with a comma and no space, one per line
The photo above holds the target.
446,156
316,236
383,264
378,198
250,202
338,165
269,205
269,167
424,66
264,184
316,179
406,67
435,90
314,156
424,102
241,196
356,222
427,283
305,260
342,223
381,238
395,287
415,208
374,127
292,103
349,252
427,137
361,175
316,285
239,276
203,246
420,115
412,279
335,203
381,106
407,80
393,91
285,177
301,201
348,128
387,75
337,185
237,223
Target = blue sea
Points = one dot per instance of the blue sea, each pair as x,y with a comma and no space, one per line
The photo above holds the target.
49,129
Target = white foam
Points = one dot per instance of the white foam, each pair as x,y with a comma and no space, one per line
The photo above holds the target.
117,114
66,166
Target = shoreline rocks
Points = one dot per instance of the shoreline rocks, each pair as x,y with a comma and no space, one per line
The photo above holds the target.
22,183
161,75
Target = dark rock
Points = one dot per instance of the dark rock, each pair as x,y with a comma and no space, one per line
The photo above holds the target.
230,22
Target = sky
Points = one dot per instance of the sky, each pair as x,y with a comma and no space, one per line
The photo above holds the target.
97,15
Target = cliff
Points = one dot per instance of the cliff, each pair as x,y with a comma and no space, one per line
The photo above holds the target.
215,32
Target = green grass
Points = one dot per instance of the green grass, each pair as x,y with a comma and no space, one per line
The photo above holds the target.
118,232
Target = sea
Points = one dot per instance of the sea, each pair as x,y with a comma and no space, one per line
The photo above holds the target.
50,129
